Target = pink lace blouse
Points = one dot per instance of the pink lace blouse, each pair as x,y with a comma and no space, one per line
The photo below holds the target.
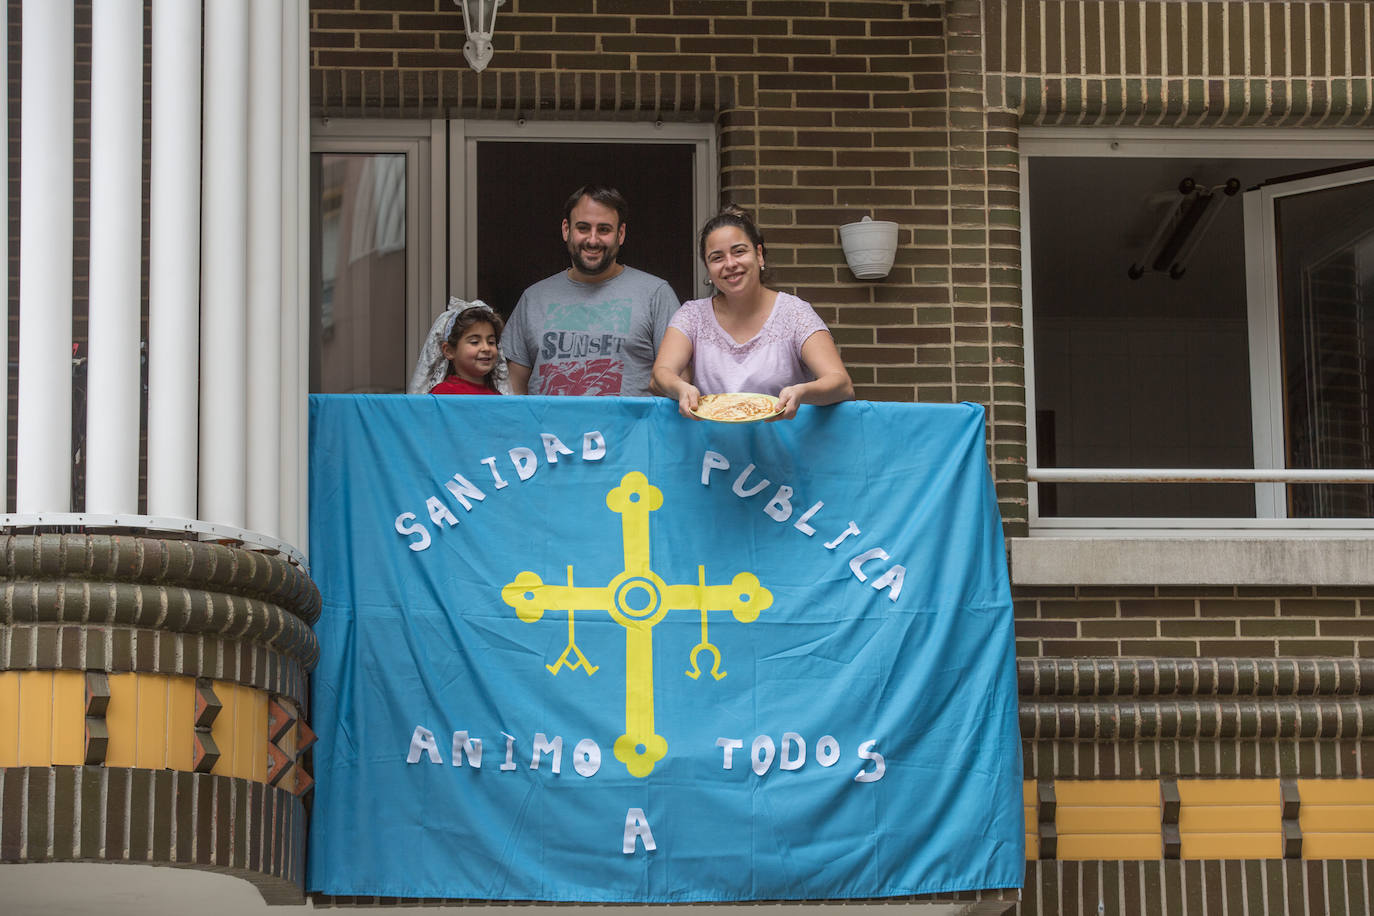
766,364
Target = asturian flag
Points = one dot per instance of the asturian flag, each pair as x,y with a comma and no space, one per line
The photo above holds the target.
583,649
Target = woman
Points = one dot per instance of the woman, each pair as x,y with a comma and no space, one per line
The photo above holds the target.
747,337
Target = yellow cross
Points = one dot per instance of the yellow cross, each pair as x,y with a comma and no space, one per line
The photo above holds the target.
637,599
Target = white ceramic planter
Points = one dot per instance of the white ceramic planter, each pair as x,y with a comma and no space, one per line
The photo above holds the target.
869,247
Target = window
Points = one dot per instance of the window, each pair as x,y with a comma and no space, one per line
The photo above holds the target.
506,211
1198,300
407,213
370,261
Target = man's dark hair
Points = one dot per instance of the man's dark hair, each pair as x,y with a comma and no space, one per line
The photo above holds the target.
607,197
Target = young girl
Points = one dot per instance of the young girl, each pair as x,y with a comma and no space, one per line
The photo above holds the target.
471,352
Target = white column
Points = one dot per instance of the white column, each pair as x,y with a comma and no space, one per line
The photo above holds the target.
294,352
303,291
224,220
44,466
113,376
265,350
174,261
5,273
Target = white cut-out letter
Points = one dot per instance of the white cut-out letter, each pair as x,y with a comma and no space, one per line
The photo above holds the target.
729,745
856,564
405,529
852,529
827,751
542,745
587,757
553,447
525,462
892,580
712,461
801,523
879,764
462,488
797,744
509,763
593,446
761,764
779,508
743,476
472,747
637,825
422,741
496,477
438,512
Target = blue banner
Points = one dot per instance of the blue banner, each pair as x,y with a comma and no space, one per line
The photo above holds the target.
583,649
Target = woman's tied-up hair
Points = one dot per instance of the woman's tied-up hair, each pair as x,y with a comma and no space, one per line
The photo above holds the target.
732,215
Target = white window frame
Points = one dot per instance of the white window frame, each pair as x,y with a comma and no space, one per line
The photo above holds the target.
464,136
1262,315
422,143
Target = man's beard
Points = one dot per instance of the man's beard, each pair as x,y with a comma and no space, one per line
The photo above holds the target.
608,255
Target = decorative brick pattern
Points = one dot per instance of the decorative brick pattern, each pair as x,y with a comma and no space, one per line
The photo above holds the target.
1145,717
105,604
156,817
1214,887
1219,63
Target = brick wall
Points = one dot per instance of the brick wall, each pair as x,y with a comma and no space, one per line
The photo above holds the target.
903,110
827,111
1194,622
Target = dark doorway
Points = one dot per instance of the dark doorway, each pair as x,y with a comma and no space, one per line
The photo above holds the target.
523,185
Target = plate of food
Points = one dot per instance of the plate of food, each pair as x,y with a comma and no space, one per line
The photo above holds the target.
737,407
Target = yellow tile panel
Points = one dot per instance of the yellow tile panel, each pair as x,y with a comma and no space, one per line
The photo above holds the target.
1032,846
1106,792
181,715
1088,847
1028,794
1336,791
1228,792
1233,845
1195,819
9,718
243,745
121,720
256,727
243,733
1106,820
35,718
1032,818
1338,846
150,753
69,718
1336,818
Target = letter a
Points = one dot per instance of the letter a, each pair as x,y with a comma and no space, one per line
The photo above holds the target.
637,825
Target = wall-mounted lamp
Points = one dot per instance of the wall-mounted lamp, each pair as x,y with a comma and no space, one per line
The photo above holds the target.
479,20
870,246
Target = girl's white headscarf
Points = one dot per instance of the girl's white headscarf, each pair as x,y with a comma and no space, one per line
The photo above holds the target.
432,368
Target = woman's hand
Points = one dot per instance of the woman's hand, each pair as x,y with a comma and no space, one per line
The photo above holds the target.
688,398
789,399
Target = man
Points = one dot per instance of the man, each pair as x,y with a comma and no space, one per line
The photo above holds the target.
595,327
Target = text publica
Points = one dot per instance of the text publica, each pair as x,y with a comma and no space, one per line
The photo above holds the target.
779,509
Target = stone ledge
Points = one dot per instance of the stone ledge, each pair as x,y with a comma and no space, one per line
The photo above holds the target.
1117,560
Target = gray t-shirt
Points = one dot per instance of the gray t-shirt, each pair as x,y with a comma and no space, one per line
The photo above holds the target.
590,338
